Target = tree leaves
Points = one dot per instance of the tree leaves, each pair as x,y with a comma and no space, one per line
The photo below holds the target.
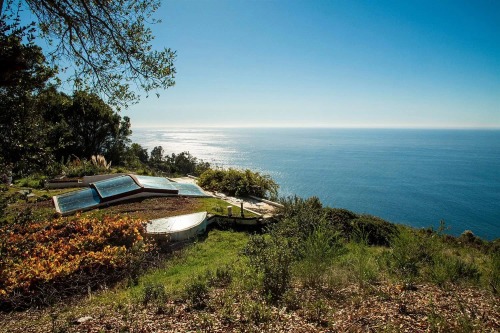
107,45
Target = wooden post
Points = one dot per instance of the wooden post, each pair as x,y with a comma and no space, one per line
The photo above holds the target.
241,210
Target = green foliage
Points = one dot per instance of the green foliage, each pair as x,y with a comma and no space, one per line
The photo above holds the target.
135,156
293,206
196,292
76,167
317,311
32,181
426,255
256,312
23,75
494,279
341,219
272,257
373,230
153,292
291,300
445,269
410,251
185,163
107,44
85,125
176,164
317,253
222,276
361,263
238,182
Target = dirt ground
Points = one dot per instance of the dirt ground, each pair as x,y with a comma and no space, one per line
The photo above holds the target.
153,208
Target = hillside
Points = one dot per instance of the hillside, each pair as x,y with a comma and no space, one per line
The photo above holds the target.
338,272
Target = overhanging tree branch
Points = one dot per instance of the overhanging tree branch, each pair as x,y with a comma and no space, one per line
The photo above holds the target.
107,43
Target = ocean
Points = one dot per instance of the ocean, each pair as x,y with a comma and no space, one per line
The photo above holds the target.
413,177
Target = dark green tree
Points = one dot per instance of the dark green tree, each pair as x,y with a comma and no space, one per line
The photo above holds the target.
118,146
140,152
135,156
107,45
94,127
156,156
22,126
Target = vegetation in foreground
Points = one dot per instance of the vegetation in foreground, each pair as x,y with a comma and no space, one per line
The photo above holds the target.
315,269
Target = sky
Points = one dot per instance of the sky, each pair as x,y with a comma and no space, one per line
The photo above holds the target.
329,64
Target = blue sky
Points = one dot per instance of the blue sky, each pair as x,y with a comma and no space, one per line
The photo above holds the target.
329,63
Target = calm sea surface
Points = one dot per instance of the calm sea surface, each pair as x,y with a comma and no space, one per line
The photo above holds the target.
415,177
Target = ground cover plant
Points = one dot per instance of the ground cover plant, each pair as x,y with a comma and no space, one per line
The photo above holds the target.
41,258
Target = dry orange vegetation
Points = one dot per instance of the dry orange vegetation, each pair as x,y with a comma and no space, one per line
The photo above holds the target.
38,253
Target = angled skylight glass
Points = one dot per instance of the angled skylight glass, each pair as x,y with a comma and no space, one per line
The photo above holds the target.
78,200
113,187
159,183
190,190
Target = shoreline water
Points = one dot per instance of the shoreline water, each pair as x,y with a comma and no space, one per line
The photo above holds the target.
409,176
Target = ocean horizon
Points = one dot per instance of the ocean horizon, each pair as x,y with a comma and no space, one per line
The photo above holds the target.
416,177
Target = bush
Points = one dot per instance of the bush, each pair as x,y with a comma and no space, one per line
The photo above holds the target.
176,164
409,252
362,264
317,253
222,277
238,182
33,181
318,312
81,167
272,257
299,218
373,230
153,292
256,312
341,219
196,293
450,269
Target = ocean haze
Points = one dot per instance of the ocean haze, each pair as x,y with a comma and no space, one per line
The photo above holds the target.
411,176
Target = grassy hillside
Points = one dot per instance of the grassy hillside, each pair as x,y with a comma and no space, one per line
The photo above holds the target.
315,269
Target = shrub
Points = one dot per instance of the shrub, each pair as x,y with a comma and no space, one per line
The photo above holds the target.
291,300
77,167
450,269
238,182
341,219
294,206
33,181
222,277
409,252
272,257
299,218
153,292
361,263
256,312
196,293
317,253
317,311
373,230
